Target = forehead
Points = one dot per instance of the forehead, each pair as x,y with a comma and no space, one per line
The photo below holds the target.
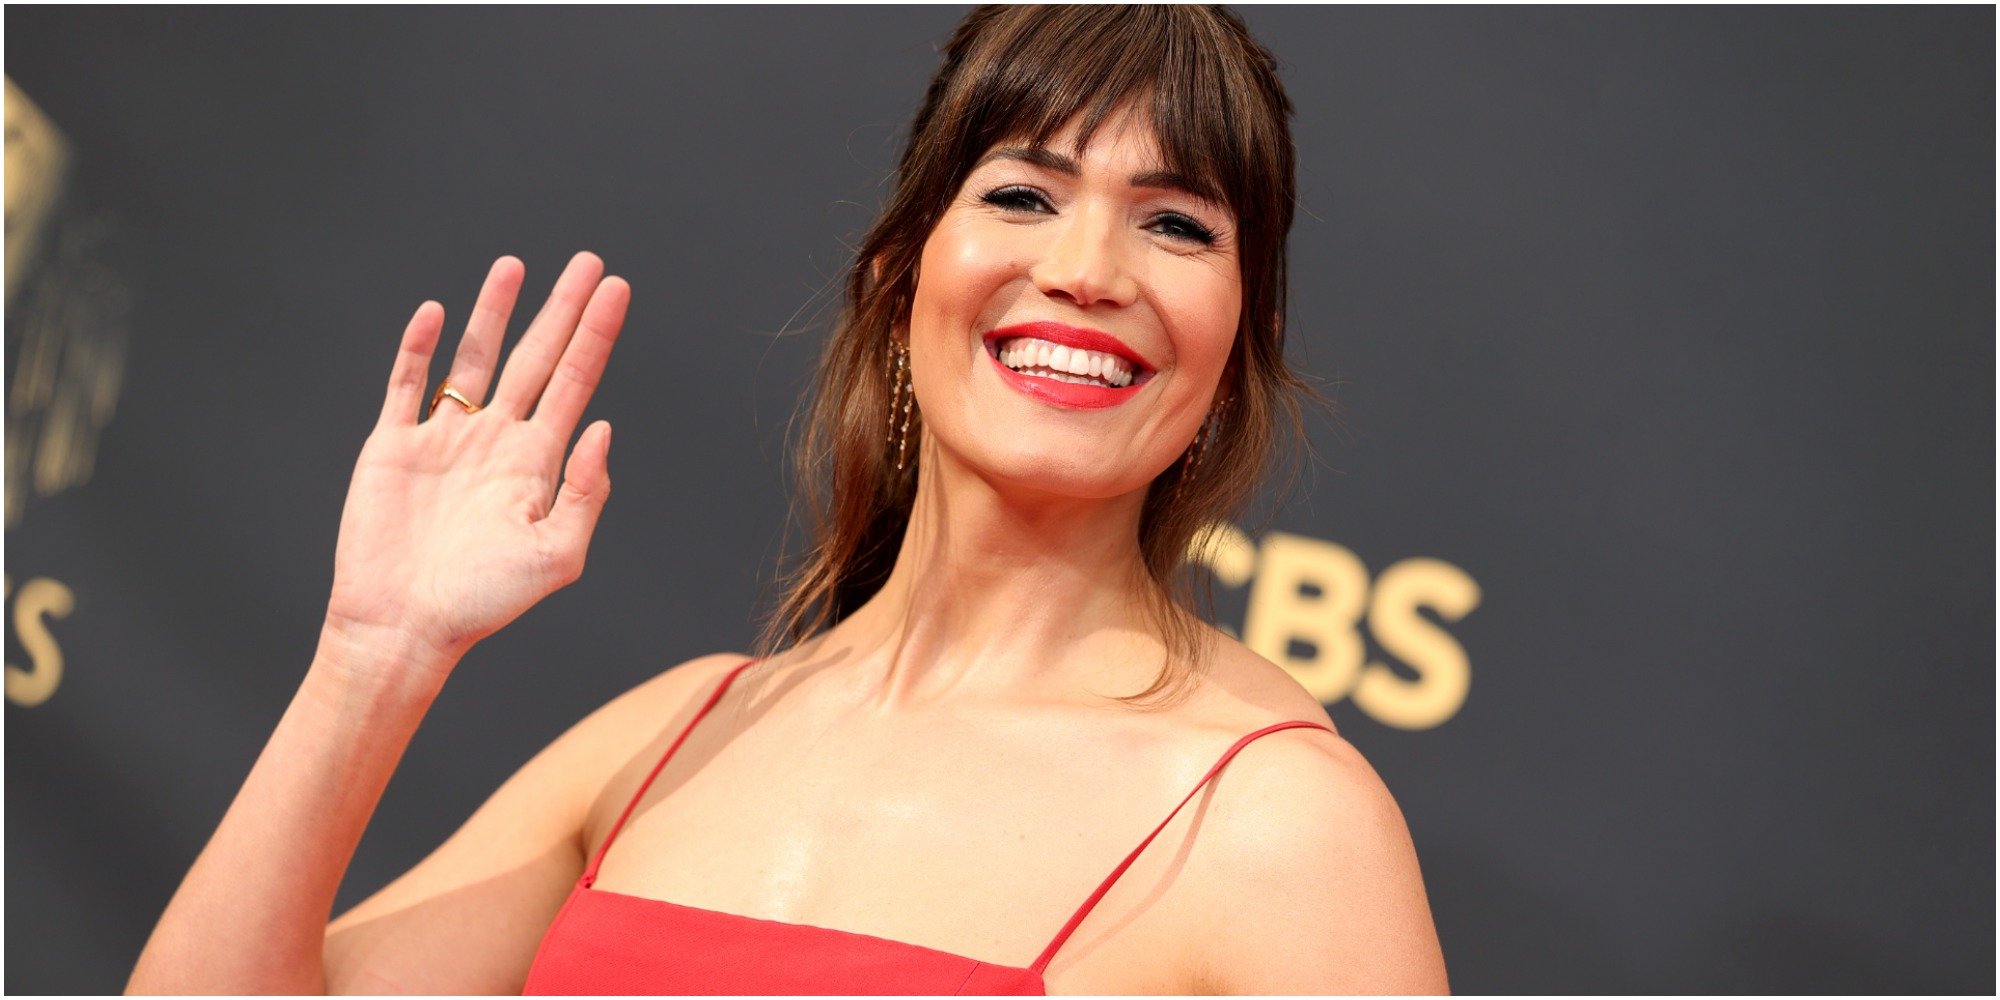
1124,136
1126,146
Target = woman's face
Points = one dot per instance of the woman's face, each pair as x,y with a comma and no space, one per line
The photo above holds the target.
1073,315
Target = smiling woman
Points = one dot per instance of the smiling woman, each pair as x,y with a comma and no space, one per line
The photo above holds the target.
1061,356
1132,163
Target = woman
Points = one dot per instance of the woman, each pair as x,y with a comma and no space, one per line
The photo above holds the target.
985,750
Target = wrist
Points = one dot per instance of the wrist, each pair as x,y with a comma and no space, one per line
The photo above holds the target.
381,655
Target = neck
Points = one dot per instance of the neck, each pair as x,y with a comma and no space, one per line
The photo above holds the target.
999,592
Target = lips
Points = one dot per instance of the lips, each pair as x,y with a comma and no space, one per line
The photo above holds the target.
1072,337
1068,366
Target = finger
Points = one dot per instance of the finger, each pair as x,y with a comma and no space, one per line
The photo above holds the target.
412,370
479,348
579,502
529,365
582,365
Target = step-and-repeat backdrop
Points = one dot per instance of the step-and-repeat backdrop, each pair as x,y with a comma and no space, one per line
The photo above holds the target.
1649,557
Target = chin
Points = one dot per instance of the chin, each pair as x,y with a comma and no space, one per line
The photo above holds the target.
1056,472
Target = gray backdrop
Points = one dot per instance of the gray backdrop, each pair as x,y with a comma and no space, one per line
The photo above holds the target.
1672,329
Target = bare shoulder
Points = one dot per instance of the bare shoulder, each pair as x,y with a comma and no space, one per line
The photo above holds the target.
1307,858
621,735
647,706
1242,686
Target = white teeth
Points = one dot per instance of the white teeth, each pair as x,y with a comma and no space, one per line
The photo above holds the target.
1064,363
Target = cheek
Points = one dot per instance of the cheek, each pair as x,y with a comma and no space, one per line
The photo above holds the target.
1206,307
962,266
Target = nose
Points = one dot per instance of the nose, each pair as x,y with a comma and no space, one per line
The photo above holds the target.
1085,261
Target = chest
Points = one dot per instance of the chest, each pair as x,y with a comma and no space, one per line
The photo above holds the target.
974,837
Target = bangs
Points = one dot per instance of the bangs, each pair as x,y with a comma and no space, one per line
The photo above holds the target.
1054,65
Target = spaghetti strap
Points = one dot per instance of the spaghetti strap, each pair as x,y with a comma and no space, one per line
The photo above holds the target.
590,873
1042,963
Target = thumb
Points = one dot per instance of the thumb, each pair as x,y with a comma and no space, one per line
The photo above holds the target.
580,500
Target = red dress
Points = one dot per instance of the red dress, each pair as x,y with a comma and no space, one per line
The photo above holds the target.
610,943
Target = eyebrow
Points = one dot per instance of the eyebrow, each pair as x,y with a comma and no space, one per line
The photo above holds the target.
1042,156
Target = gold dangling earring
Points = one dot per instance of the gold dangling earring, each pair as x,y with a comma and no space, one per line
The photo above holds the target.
1199,446
1211,425
902,396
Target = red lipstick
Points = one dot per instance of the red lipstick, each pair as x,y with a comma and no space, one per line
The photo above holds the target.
1070,395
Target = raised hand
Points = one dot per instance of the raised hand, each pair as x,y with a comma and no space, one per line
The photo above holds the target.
456,524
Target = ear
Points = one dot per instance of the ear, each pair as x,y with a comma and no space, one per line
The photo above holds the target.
899,330
1233,371
875,271
1229,387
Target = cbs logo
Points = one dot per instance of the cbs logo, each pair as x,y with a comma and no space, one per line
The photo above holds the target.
40,599
1309,601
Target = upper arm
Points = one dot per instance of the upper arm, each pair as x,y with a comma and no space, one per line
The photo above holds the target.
469,917
1314,877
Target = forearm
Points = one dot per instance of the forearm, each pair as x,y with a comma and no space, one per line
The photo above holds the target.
251,915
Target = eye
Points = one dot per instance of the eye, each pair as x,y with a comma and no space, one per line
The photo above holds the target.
1181,227
1016,198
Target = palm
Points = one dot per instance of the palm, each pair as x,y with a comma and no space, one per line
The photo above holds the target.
454,526
445,530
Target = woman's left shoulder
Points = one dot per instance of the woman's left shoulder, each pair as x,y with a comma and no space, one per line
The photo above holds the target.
1307,862
1293,791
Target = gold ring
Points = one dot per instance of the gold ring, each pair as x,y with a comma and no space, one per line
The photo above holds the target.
444,390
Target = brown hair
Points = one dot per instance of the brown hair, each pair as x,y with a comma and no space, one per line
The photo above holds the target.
1023,72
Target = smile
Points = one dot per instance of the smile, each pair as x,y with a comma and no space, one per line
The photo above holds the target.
1068,366
1042,359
